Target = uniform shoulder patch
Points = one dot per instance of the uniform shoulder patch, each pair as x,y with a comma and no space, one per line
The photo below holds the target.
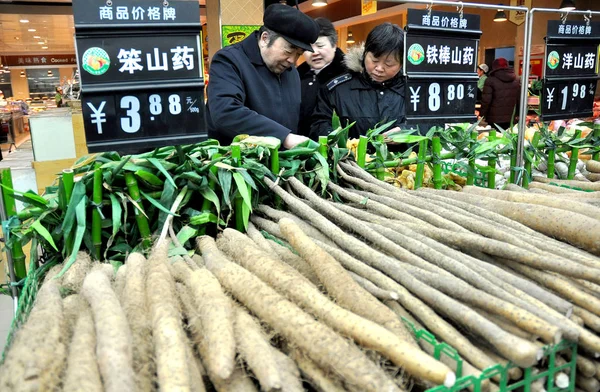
338,80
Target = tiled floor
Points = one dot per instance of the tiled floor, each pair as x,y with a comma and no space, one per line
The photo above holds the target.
23,176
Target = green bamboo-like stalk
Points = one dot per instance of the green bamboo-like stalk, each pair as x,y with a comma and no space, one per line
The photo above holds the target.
236,154
574,158
380,171
492,163
68,182
408,161
596,155
423,144
96,218
275,168
436,147
323,146
142,221
551,160
471,174
527,173
10,205
361,151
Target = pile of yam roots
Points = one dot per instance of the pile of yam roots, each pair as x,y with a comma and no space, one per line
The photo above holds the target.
314,296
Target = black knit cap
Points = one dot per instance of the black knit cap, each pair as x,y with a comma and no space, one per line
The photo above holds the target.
295,27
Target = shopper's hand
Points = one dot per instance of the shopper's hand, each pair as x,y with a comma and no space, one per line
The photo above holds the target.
390,132
292,140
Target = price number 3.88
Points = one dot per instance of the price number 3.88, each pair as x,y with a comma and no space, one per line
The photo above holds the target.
434,98
131,122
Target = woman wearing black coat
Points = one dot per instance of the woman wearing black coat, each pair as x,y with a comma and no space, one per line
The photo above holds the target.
322,65
372,92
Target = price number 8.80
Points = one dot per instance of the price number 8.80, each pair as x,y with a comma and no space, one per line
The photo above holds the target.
441,99
132,122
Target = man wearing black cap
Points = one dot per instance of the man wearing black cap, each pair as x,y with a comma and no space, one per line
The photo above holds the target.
254,87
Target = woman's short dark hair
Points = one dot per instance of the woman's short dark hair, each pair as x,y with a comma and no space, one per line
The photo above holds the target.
326,29
272,35
387,38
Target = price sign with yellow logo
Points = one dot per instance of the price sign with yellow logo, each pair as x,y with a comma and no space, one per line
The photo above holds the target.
232,34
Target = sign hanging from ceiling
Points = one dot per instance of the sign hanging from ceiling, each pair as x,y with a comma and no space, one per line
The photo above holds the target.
440,66
518,17
141,72
570,70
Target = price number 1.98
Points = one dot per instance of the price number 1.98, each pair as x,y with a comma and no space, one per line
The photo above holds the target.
568,98
132,121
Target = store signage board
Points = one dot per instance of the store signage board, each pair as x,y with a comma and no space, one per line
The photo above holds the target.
440,66
42,60
570,70
141,73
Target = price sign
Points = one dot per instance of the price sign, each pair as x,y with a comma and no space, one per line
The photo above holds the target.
571,70
141,72
440,65
568,99
440,99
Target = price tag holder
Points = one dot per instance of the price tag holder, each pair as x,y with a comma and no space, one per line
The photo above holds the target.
441,99
142,119
140,63
571,70
440,65
568,98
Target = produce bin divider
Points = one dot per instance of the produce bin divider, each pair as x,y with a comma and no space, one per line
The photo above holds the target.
423,144
436,149
574,158
9,254
10,206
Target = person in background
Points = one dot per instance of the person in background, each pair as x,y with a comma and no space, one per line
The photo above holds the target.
372,92
501,95
482,71
58,98
321,65
254,85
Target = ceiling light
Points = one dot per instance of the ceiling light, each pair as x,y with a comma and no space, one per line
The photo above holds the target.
31,30
24,21
350,39
37,36
44,47
22,74
41,42
500,16
567,5
319,3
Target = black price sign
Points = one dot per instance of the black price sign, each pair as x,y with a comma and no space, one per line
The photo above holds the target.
141,72
568,99
144,118
568,60
571,71
124,59
441,99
